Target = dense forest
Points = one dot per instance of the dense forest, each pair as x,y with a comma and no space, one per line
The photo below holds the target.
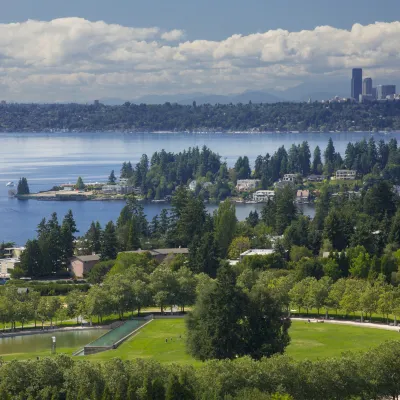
159,176
173,117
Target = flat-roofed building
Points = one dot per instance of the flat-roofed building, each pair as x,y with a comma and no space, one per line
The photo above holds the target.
257,252
346,174
7,265
13,252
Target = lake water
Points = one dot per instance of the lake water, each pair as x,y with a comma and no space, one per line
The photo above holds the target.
51,159
41,342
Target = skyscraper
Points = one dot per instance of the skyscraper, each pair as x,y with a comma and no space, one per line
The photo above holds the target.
356,83
385,90
367,87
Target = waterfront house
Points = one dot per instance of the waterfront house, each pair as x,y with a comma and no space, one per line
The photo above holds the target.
262,196
244,185
346,174
120,189
81,265
302,196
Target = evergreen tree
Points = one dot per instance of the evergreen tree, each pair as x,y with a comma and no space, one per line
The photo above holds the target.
112,179
322,207
394,236
23,187
68,230
49,239
304,159
203,254
133,235
31,260
242,168
224,226
268,213
329,154
317,161
214,326
228,323
109,242
286,210
175,391
79,184
253,218
93,237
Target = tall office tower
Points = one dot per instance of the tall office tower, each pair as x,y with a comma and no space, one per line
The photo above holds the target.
356,83
385,90
367,87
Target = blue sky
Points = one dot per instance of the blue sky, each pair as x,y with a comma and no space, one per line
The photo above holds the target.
210,19
80,50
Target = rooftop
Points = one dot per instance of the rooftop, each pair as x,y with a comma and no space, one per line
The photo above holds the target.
92,257
258,252
155,252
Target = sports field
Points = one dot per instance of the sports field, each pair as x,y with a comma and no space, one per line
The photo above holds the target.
164,341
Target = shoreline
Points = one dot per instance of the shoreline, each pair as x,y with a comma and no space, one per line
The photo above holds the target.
194,132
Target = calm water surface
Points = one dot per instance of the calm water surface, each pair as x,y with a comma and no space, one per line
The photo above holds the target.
41,342
51,159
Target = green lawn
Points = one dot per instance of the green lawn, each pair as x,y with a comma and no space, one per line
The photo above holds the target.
162,339
309,341
316,340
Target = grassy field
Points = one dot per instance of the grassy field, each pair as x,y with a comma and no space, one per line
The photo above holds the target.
309,341
162,339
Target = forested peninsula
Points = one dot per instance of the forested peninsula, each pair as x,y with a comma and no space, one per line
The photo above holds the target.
282,117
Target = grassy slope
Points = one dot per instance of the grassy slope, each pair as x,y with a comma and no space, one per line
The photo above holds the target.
311,341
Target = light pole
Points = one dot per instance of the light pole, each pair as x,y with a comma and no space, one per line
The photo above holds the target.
53,345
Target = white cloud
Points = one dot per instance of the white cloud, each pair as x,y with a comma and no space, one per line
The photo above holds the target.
173,36
76,59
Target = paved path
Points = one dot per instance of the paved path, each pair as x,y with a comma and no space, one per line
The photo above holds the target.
352,323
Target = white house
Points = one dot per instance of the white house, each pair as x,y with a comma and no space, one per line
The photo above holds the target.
244,185
257,252
7,265
262,196
346,174
13,252
192,185
289,177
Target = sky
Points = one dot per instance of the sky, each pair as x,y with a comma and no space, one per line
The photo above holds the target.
53,50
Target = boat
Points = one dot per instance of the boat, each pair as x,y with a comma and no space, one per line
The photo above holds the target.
10,184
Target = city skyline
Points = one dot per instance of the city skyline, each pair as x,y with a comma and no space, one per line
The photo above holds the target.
363,90
74,59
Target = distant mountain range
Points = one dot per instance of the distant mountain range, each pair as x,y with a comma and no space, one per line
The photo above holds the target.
299,93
